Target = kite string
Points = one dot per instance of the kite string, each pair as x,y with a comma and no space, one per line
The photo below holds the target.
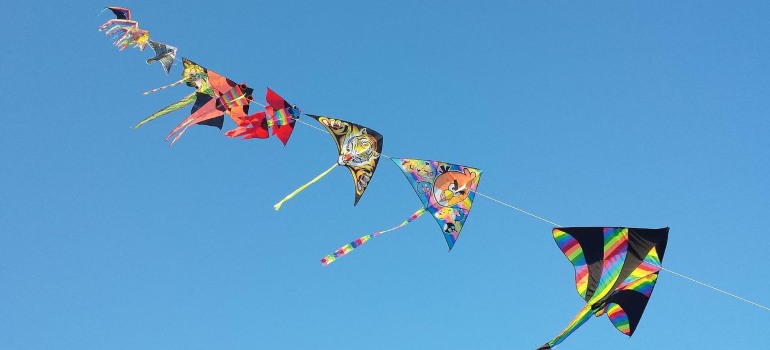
716,289
310,125
518,209
662,268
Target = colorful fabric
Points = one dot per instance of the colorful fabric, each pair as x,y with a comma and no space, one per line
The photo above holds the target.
193,75
615,272
282,128
358,242
251,126
279,115
127,33
124,31
582,317
234,97
359,150
226,97
446,191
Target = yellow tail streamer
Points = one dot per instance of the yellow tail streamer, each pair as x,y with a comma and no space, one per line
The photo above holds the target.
303,187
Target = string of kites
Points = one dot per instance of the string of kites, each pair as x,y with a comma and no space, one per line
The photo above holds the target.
615,267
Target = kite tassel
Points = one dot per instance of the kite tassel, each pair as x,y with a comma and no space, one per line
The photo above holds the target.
162,87
357,243
303,187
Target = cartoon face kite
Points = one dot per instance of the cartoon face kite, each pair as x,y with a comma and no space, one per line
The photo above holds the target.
359,150
446,191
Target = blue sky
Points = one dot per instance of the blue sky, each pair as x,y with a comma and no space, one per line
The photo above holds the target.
646,114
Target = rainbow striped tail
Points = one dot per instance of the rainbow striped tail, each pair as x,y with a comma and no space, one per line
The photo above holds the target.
162,87
355,244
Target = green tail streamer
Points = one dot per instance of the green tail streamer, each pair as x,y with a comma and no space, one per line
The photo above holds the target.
303,187
187,100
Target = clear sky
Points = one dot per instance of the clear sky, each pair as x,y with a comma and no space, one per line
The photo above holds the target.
641,114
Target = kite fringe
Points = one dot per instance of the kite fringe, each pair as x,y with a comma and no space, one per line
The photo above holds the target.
361,240
303,187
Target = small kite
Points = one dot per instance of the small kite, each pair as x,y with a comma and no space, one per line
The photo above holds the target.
165,54
124,30
359,150
279,115
615,271
194,76
446,191
230,98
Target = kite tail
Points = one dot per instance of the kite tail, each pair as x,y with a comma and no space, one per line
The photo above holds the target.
151,60
303,187
582,316
187,100
355,244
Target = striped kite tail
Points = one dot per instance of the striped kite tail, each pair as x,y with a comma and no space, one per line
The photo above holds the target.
355,244
162,87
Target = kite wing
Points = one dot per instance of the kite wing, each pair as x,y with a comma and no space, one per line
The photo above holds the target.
359,150
446,191
186,101
165,54
281,116
204,102
615,271
120,12
252,126
233,98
